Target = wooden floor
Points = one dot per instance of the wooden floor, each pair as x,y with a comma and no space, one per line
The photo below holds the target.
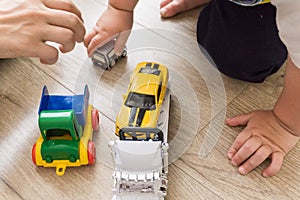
199,139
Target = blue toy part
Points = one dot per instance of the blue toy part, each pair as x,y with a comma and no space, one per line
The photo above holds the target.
78,103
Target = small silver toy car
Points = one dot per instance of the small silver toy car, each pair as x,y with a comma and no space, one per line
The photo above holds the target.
105,56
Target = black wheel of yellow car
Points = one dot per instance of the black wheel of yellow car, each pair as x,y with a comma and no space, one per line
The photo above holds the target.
91,153
95,119
33,153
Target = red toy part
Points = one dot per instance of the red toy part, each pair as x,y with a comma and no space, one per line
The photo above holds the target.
91,153
95,119
33,154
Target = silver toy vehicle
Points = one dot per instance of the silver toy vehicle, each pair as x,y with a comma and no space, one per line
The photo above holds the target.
105,56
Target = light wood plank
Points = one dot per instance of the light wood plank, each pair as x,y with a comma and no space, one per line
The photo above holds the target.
20,94
215,170
7,192
197,109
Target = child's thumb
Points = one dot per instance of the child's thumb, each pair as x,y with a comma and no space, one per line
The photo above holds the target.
238,120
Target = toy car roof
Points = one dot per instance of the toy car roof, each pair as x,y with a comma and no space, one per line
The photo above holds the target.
55,120
146,77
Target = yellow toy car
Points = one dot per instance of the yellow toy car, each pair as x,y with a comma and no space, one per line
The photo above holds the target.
143,101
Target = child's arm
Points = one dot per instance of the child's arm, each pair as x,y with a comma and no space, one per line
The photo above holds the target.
287,108
115,22
269,133
128,5
273,133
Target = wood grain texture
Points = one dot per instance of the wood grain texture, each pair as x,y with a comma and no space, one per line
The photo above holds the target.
201,99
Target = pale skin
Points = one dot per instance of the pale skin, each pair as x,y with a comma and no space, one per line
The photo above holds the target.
267,133
27,25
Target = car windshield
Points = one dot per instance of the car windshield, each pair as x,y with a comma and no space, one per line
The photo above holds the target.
142,101
58,134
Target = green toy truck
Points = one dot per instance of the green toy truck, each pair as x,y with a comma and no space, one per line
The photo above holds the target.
66,131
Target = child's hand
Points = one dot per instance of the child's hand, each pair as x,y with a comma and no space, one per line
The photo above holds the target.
113,23
263,137
26,26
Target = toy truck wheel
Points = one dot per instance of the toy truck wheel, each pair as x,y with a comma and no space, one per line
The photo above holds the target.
113,62
124,54
33,153
95,119
91,153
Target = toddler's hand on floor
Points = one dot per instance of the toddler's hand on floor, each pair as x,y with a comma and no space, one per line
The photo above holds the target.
263,137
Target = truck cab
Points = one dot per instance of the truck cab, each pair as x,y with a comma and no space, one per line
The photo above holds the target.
105,56
61,133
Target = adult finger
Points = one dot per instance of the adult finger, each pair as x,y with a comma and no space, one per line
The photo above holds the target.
67,20
239,120
66,5
246,150
47,54
256,159
55,33
276,163
120,42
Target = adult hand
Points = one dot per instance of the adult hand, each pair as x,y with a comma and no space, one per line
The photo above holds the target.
27,25
264,136
113,23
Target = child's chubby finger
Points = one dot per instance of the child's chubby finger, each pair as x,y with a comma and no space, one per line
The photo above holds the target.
238,143
120,42
239,120
246,150
169,9
256,159
164,3
275,165
97,41
89,36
